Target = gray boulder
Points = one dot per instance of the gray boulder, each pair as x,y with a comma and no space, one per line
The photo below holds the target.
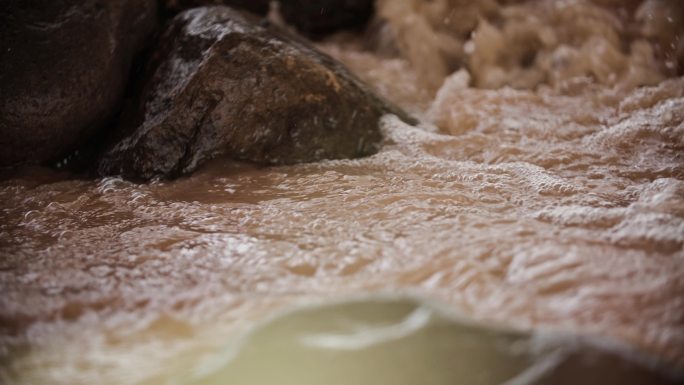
64,66
222,83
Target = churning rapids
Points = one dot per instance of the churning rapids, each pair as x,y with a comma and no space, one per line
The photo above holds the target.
549,203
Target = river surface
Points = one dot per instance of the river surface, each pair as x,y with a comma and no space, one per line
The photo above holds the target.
532,205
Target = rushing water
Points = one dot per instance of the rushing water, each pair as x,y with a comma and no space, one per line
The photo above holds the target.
554,206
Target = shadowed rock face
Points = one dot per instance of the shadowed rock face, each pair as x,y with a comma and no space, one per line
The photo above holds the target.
325,16
63,69
313,18
222,84
257,6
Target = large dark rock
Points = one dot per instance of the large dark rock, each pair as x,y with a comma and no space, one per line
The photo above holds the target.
222,84
63,68
325,16
313,18
259,7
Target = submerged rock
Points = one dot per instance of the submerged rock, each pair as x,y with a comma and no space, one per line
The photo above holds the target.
388,341
63,69
325,16
221,83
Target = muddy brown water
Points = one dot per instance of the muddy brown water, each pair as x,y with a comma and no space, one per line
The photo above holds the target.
527,207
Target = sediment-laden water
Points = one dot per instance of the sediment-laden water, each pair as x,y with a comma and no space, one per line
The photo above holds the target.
545,203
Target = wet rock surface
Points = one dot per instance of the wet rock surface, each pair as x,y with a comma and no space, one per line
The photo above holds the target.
320,17
63,69
222,84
